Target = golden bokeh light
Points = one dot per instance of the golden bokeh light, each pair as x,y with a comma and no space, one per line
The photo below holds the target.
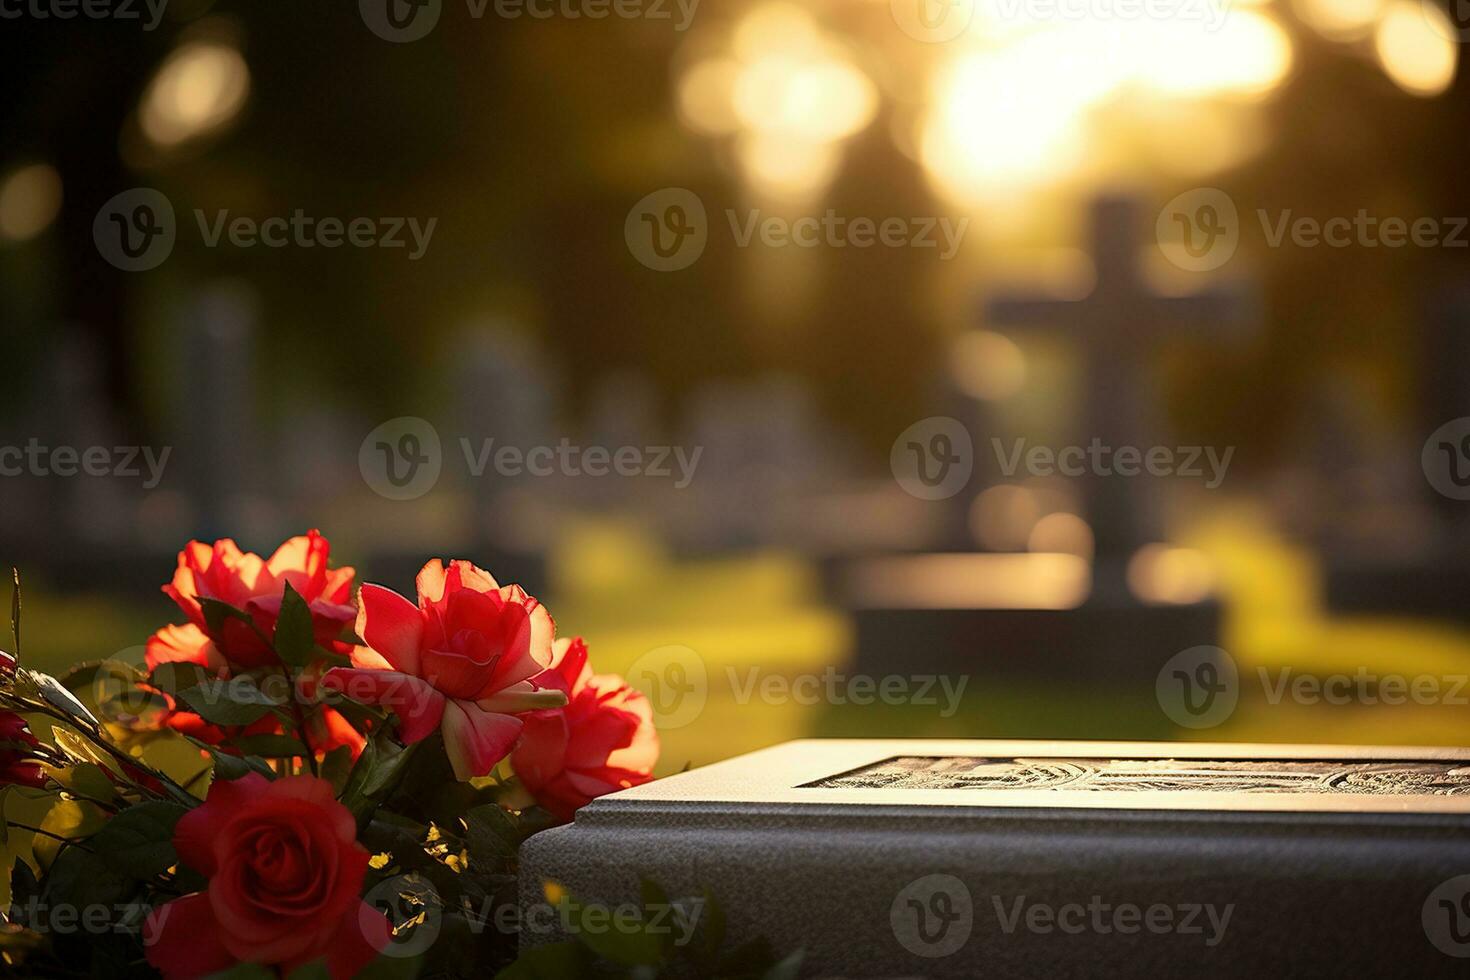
1062,533
987,366
790,94
198,90
1249,56
30,197
1340,20
972,581
786,168
1414,47
1025,109
707,97
1002,517
1164,574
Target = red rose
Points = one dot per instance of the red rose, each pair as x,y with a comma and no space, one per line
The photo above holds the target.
256,585
459,662
17,765
603,740
285,880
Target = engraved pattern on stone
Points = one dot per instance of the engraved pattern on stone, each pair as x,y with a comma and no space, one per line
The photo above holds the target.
1157,775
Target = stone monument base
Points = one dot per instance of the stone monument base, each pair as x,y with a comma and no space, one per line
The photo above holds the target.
913,858
1045,616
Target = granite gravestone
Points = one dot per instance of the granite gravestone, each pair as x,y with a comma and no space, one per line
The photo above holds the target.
219,436
1050,859
489,506
1057,613
1426,575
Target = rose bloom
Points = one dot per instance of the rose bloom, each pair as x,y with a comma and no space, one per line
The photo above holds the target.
257,587
603,740
17,765
285,880
460,661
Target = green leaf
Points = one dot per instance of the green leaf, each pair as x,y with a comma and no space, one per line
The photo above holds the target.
295,640
336,766
391,968
787,969
231,767
60,697
216,612
138,841
315,970
593,928
378,770
88,779
178,676
15,610
80,878
551,961
269,746
237,701
78,748
492,835
82,675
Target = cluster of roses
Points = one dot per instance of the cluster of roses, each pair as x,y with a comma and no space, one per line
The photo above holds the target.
473,666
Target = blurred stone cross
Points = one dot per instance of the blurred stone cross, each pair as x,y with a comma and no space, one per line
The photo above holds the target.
1118,324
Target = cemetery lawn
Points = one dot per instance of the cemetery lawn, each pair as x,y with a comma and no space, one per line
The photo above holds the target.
760,620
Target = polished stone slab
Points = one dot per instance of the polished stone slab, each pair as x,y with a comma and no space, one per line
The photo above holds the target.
959,858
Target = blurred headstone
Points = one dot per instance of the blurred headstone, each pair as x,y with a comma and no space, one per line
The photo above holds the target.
1389,568
219,412
763,449
1060,615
